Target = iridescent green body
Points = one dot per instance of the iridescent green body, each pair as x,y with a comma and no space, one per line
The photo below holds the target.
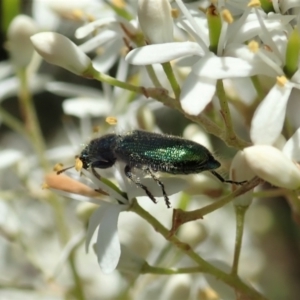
164,153
151,152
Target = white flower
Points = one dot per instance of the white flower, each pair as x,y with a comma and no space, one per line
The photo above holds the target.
10,157
269,116
108,248
59,50
268,119
231,61
49,14
107,40
285,5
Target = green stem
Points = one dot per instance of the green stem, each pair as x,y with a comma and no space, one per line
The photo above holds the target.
230,134
31,120
240,212
161,95
206,267
78,288
13,123
114,82
180,217
172,79
258,87
164,271
153,77
35,134
270,193
294,202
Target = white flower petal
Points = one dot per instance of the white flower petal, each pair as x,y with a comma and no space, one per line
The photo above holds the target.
216,67
88,28
94,221
196,93
258,65
104,62
10,86
104,187
160,53
296,78
9,157
73,90
98,40
268,118
245,89
286,5
292,147
83,107
108,243
272,165
45,17
6,69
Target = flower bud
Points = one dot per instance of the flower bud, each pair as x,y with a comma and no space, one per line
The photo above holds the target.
156,20
58,50
273,166
19,32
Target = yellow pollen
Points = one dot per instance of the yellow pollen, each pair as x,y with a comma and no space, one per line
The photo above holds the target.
77,14
227,16
175,13
78,164
119,3
253,46
99,51
254,3
111,120
90,18
96,129
58,167
45,186
281,80
124,51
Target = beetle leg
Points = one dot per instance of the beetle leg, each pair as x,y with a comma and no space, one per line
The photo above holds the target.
95,173
128,174
161,185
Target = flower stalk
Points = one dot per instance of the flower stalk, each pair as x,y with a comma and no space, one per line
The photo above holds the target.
206,267
240,212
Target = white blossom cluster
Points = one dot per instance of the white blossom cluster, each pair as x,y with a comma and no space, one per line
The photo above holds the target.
230,66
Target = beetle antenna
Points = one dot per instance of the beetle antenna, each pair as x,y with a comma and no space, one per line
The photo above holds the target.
63,170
